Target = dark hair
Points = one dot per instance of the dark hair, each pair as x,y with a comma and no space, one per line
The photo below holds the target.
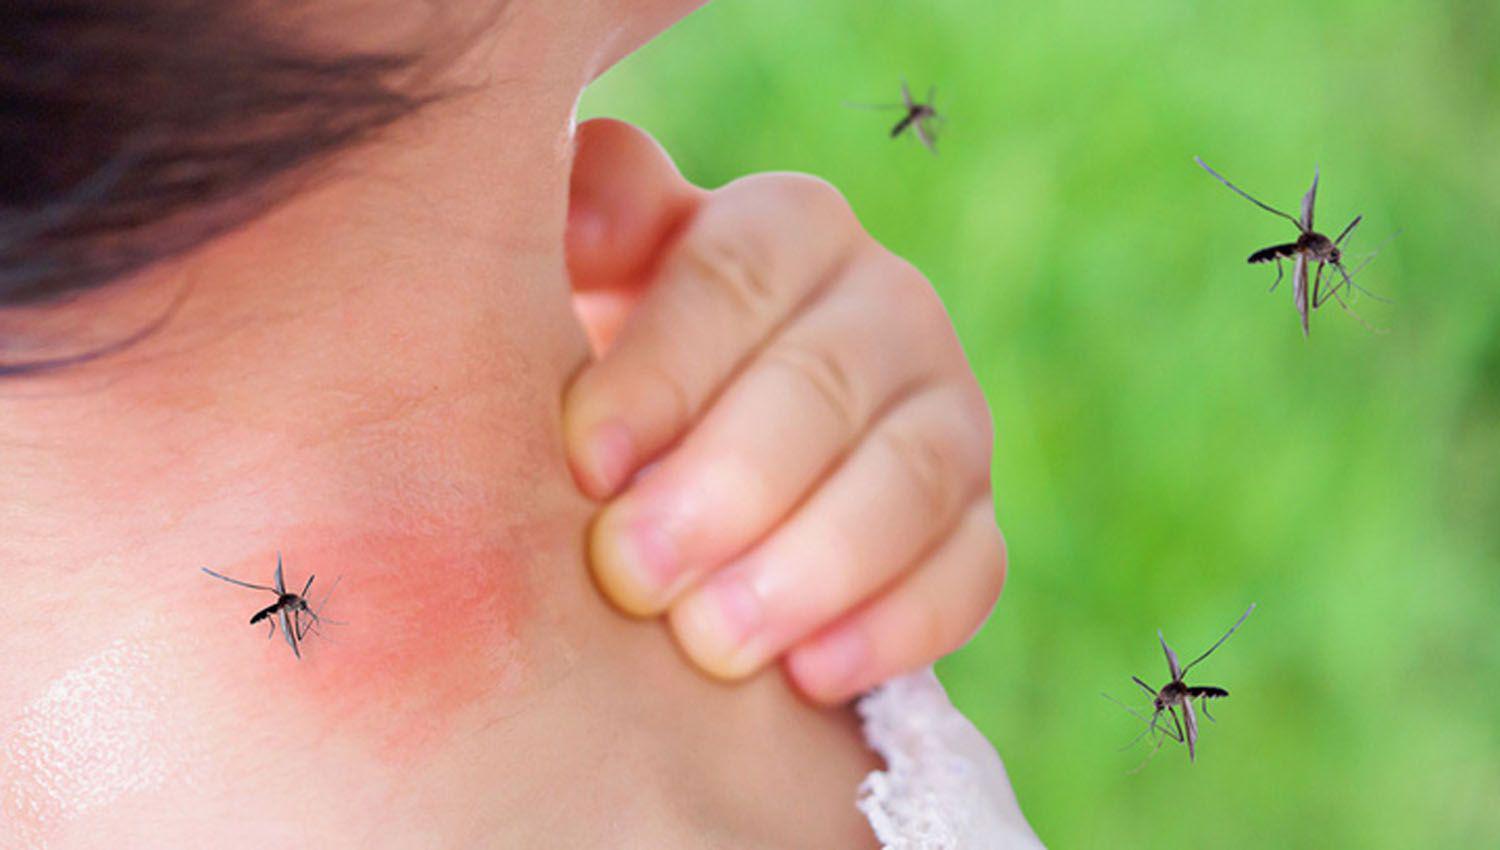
133,130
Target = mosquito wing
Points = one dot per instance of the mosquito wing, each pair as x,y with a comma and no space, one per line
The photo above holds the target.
287,632
906,95
1307,204
1190,728
1299,289
924,134
280,584
1171,657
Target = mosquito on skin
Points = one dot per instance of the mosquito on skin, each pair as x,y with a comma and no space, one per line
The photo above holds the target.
1310,247
287,609
921,117
1177,694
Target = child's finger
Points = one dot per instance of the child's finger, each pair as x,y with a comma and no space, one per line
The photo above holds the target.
900,492
795,410
928,615
625,200
743,264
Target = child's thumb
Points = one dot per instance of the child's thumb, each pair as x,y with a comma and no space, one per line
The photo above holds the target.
626,200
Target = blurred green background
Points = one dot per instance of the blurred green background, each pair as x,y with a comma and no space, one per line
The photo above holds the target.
1170,447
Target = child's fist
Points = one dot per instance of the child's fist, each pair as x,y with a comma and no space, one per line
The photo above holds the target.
820,451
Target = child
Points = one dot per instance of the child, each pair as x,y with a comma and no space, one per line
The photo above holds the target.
362,376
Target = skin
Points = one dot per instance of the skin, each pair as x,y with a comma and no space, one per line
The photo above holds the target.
821,486
370,379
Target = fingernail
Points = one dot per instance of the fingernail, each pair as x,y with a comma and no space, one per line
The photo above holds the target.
740,609
638,556
719,621
611,453
831,664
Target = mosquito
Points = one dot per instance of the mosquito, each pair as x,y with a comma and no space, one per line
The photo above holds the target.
921,117
1177,694
1310,247
288,608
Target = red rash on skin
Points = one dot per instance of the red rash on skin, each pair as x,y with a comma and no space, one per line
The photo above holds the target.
430,627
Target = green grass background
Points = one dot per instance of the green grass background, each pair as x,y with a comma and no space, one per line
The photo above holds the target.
1170,447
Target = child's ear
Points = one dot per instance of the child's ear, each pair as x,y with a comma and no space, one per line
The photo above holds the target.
625,203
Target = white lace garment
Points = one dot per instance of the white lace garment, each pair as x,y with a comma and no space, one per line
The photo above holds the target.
944,787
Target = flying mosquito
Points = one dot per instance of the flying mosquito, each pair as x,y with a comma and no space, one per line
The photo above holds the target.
1310,247
288,608
921,117
1178,694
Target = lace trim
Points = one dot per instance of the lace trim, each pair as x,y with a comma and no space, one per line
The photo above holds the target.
944,787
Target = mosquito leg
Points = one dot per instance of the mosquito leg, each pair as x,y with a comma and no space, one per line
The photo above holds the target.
1347,283
1357,317
313,624
1243,194
1354,287
1137,739
1280,272
222,577
272,633
1164,728
1348,230
1365,262
1149,756
1176,720
1150,723
326,597
853,105
1333,291
1220,642
1203,704
1318,301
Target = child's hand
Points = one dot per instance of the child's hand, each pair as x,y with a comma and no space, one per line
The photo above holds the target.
822,451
